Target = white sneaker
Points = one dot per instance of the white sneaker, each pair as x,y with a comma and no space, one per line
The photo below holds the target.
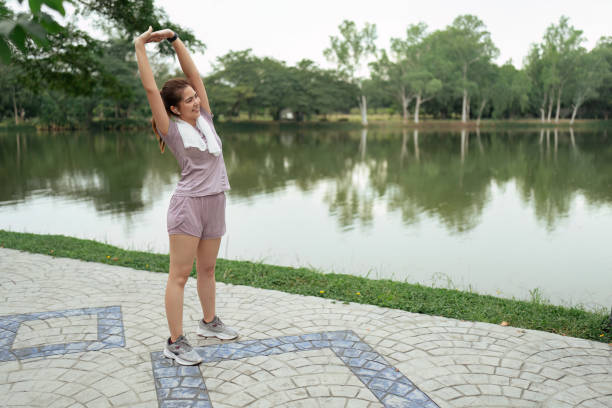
217,329
182,352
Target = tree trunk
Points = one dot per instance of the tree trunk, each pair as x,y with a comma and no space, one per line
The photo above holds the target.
405,102
465,96
558,105
363,106
482,106
550,105
417,107
464,107
574,111
543,108
15,107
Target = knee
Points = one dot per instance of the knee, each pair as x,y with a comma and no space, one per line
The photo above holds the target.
179,277
207,271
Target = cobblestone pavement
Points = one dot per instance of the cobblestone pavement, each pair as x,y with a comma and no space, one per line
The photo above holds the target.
79,334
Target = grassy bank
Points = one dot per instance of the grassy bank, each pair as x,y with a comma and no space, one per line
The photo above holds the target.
398,295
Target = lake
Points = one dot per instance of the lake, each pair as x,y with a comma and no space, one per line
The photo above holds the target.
521,213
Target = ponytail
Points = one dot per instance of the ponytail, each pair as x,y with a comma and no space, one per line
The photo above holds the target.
162,144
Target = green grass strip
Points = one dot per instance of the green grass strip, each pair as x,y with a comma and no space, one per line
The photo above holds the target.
456,304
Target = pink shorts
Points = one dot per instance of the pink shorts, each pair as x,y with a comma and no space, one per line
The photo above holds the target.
202,217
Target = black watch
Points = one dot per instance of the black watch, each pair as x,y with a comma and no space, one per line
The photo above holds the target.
173,38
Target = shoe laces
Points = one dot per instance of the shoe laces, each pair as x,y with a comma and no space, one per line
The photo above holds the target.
182,342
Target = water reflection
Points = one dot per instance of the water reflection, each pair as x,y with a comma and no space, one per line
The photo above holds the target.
434,174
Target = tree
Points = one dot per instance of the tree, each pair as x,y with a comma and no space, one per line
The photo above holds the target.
540,85
510,91
467,43
390,77
415,60
601,104
17,30
561,47
590,70
64,58
349,52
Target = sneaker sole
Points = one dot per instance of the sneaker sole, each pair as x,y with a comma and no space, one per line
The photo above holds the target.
179,360
220,336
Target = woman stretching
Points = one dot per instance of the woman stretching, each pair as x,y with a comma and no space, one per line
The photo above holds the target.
182,120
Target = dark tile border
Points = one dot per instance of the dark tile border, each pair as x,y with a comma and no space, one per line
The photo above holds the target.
110,333
183,386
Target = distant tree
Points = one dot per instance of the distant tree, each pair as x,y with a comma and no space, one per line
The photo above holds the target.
590,71
600,105
510,91
350,51
559,53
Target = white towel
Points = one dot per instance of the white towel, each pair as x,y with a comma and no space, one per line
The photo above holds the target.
191,138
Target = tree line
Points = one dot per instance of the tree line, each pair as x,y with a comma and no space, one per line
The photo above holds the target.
58,75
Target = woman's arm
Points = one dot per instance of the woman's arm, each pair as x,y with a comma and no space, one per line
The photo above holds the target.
187,65
148,81
191,72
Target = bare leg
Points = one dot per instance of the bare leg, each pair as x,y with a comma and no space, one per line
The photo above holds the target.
208,249
183,249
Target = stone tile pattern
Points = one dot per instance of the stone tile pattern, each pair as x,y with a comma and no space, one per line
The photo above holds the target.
109,328
456,363
184,386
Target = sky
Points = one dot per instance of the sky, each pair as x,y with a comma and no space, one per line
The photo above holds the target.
290,30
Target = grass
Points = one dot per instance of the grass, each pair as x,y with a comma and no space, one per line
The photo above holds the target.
535,314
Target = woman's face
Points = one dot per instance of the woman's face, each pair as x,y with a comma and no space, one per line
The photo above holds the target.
189,106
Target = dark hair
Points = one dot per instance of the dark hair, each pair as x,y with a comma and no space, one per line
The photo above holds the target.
171,94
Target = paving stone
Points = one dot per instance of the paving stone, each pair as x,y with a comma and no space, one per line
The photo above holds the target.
455,363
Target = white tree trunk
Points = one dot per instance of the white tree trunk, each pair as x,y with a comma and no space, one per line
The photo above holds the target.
405,102
465,96
574,111
558,105
543,109
550,105
15,108
417,107
482,106
464,107
363,106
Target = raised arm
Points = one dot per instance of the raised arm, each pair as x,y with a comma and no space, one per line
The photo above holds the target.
187,65
148,81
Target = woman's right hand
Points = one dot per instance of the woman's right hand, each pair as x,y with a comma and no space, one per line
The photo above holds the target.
144,37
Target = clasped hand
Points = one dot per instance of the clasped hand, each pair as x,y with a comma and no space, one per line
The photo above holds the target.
153,36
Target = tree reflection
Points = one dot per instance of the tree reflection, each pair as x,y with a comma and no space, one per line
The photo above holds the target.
432,175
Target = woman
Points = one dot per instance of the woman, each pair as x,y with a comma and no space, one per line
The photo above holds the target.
182,120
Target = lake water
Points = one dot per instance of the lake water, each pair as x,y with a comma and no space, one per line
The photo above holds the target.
503,213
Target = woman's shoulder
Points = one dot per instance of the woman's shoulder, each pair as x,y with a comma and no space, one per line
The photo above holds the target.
172,130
